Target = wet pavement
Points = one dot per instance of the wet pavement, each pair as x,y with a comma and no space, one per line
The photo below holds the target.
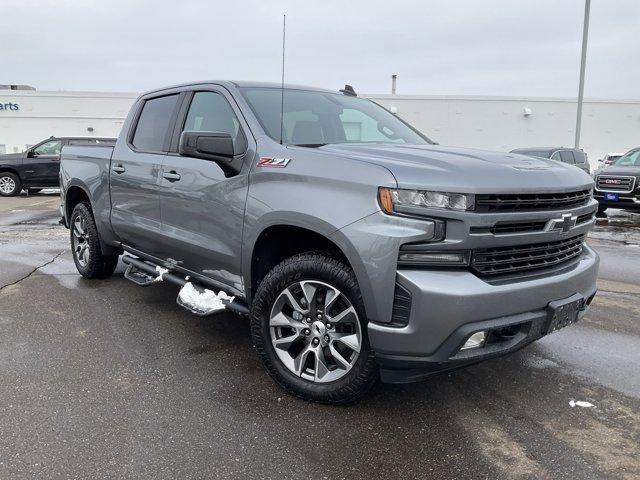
103,379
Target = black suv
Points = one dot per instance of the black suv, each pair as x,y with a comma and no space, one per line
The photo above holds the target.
39,166
572,156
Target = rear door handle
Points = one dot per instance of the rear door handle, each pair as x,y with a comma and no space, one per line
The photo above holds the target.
118,169
172,176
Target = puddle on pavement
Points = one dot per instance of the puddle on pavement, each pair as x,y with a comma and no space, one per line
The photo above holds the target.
618,226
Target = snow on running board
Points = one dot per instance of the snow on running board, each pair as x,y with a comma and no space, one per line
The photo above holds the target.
580,403
205,301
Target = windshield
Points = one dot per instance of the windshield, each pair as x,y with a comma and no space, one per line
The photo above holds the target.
629,159
318,118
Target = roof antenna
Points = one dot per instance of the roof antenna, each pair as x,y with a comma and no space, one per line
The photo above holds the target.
284,29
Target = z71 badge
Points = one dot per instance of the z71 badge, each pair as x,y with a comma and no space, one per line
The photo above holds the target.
276,162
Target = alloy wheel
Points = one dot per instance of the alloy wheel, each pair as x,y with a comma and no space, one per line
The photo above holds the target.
7,185
81,248
315,331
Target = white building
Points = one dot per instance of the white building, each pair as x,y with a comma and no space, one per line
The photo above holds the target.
505,123
493,123
28,116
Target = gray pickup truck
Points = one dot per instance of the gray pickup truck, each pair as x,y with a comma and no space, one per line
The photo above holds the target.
359,249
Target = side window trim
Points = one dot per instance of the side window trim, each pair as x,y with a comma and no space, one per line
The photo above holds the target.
138,114
181,117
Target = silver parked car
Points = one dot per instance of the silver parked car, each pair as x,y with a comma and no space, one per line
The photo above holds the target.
570,156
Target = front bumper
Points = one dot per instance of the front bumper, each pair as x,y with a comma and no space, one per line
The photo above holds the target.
628,201
448,306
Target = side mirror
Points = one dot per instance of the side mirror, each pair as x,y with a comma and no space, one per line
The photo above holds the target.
31,154
215,146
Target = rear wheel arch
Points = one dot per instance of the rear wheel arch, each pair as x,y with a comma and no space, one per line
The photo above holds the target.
73,196
76,194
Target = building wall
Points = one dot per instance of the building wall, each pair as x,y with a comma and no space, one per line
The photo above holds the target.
496,123
491,123
42,114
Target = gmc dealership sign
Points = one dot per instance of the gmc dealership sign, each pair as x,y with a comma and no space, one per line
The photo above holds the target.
9,106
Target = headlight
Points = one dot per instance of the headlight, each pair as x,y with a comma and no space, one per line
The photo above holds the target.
404,201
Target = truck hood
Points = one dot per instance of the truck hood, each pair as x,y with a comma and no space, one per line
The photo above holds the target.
613,170
465,170
10,158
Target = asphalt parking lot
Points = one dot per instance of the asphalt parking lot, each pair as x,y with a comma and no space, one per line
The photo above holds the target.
103,379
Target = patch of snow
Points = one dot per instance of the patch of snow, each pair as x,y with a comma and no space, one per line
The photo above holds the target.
203,301
161,271
581,403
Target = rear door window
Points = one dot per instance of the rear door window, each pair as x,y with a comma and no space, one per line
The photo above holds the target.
153,123
567,156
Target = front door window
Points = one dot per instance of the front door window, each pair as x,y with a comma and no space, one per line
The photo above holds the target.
48,148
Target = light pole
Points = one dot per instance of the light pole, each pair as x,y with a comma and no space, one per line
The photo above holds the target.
583,61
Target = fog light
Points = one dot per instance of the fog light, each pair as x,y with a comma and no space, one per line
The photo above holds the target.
474,341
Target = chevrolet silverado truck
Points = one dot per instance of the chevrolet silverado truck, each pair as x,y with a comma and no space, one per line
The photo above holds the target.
359,248
618,185
38,167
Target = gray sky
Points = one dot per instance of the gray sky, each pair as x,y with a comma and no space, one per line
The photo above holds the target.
488,47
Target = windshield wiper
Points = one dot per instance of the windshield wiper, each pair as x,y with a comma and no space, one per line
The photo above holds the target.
309,145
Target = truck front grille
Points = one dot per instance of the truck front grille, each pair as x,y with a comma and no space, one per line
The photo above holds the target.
523,259
612,183
531,201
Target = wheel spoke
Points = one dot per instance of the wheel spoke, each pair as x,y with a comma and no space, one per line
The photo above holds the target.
309,292
340,360
332,295
342,315
285,342
301,360
350,340
85,254
293,302
281,320
320,368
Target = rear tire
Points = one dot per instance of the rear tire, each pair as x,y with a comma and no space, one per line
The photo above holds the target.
10,184
340,368
85,245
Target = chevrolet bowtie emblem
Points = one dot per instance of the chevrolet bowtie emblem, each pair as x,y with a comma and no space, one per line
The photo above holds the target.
564,223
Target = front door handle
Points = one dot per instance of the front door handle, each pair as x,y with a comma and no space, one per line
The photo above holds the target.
172,176
118,169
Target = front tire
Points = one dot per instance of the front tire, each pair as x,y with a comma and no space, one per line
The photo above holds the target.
85,245
308,325
10,184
